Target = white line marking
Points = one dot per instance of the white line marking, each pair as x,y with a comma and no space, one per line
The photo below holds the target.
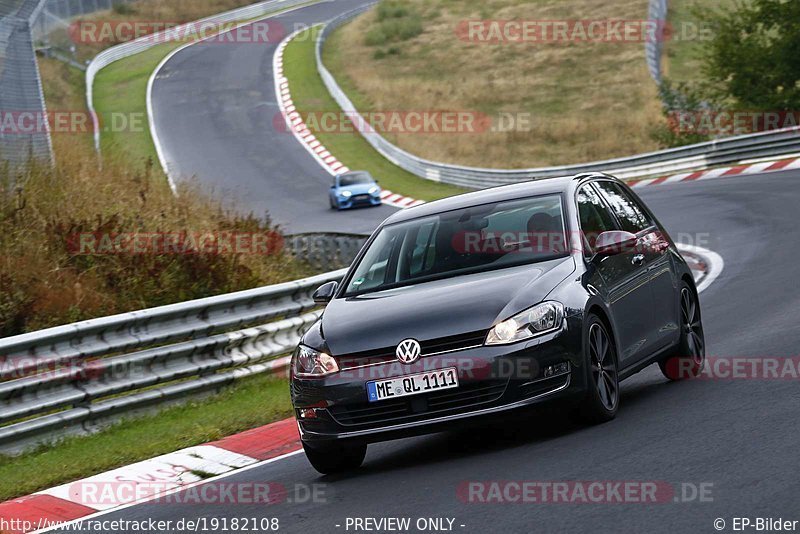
149,93
714,263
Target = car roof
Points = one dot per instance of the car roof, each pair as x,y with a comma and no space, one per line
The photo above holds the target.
543,186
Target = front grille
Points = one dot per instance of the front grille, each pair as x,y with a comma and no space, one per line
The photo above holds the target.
418,406
429,348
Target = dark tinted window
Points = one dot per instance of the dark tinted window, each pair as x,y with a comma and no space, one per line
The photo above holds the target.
355,178
462,241
631,216
595,217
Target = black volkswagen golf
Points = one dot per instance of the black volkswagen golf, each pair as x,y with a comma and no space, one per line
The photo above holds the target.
466,308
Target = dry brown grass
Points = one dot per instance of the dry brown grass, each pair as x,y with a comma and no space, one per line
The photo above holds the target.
171,11
588,101
44,282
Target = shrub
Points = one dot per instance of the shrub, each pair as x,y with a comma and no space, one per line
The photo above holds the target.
395,22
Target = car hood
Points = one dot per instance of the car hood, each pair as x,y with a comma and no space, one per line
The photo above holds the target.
357,189
440,308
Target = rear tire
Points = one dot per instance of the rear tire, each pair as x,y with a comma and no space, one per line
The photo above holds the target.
602,397
336,457
689,358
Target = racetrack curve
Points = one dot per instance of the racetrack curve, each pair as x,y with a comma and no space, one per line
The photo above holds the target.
741,436
214,106
215,110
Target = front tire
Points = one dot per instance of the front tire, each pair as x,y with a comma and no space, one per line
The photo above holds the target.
602,398
336,457
689,358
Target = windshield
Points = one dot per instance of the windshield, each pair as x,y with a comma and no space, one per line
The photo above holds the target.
468,240
355,178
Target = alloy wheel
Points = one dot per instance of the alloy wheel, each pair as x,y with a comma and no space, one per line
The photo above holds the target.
604,368
692,327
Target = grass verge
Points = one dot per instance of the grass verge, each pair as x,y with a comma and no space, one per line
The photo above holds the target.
120,92
253,402
310,95
572,100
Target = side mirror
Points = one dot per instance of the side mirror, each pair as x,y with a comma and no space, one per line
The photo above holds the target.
325,292
614,242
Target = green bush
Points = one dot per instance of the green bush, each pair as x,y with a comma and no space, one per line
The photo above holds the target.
396,23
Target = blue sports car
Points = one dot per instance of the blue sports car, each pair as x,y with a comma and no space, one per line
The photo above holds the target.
355,188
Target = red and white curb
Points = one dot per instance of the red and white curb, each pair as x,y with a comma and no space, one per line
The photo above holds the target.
294,122
150,479
722,172
706,265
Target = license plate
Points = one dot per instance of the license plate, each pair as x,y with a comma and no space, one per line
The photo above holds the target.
404,386
361,197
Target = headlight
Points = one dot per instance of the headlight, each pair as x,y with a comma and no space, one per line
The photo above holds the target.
374,190
540,319
345,194
310,363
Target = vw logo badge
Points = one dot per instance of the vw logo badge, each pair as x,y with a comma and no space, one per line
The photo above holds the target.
408,351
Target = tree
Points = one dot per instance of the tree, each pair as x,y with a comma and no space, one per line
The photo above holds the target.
753,58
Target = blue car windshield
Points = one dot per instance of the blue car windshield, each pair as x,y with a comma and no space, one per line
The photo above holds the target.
355,178
462,241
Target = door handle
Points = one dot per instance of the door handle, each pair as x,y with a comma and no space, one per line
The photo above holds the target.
638,259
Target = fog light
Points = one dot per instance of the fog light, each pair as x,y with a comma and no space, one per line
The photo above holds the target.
557,369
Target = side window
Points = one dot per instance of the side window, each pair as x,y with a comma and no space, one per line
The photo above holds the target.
631,216
595,217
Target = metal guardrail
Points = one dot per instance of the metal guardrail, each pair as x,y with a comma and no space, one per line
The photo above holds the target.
653,48
124,50
69,379
326,250
719,152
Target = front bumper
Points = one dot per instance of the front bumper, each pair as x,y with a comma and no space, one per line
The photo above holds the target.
358,200
492,380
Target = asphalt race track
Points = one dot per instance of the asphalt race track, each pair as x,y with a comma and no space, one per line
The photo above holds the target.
215,108
740,436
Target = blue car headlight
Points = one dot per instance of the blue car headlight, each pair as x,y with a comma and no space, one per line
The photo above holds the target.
345,194
374,190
